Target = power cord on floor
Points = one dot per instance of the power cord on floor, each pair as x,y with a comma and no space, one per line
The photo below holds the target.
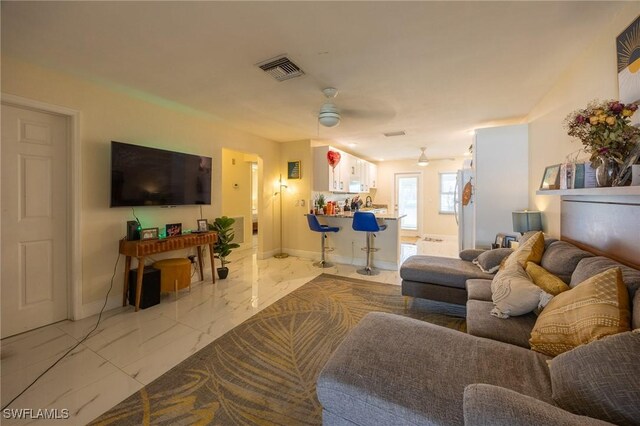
115,267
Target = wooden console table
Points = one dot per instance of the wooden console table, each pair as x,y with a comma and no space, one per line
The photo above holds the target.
141,249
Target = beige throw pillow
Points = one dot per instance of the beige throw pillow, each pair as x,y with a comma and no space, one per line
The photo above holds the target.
529,251
595,308
546,280
513,293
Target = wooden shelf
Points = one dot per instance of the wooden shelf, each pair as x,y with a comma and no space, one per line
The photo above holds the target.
615,190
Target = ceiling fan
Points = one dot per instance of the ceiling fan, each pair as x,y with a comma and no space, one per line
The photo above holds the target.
330,116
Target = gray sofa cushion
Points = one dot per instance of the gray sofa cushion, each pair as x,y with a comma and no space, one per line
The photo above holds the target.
413,372
512,330
600,379
495,406
440,270
631,277
561,258
594,265
489,261
470,254
479,289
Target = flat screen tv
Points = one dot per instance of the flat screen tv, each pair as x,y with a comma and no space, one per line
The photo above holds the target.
143,176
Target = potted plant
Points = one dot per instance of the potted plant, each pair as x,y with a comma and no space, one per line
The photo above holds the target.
223,247
320,204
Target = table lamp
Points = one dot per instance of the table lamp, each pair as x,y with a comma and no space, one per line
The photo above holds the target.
526,220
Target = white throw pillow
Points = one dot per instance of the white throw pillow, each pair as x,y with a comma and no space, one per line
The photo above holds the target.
513,293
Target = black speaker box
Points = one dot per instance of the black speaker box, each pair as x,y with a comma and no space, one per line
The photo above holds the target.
150,287
133,232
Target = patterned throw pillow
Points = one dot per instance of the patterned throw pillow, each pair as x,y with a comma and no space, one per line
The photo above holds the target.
513,293
546,280
596,308
529,251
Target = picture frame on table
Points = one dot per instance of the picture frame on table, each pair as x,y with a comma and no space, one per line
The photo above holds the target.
203,225
508,239
551,177
149,234
498,241
173,229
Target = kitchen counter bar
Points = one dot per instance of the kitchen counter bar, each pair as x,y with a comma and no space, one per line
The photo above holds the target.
349,215
348,244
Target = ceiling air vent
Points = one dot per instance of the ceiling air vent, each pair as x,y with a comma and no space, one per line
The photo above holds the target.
281,68
399,133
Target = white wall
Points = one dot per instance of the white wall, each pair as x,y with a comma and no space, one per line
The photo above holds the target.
297,238
592,76
106,115
432,221
501,180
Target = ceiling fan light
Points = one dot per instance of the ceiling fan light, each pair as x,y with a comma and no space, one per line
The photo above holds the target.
423,160
329,119
329,116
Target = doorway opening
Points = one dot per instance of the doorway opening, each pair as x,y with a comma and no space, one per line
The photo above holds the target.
408,203
241,195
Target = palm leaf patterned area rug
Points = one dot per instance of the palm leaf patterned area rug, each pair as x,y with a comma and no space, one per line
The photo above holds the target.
264,371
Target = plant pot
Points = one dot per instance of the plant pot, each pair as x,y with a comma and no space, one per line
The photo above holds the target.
606,172
223,272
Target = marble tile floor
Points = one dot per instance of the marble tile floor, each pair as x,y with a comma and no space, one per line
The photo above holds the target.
129,350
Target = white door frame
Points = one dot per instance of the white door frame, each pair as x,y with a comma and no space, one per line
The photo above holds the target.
419,201
74,186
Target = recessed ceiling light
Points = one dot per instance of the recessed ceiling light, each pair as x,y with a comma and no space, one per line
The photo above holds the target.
352,144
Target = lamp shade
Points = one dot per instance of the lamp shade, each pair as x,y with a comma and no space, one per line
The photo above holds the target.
526,220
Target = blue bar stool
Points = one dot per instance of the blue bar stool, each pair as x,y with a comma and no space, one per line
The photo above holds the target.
315,226
366,222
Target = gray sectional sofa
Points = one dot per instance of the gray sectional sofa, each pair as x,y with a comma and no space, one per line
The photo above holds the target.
395,370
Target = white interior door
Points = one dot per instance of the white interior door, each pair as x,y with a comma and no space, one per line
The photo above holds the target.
34,277
407,202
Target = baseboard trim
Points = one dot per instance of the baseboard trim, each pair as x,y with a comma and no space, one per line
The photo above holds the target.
88,309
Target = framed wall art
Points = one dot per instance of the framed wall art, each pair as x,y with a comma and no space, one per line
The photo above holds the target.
294,170
628,54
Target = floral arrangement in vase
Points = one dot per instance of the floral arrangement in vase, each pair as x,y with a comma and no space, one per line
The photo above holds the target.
605,131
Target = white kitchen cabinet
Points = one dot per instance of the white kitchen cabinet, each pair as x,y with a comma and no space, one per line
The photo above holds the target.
326,178
371,176
352,174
